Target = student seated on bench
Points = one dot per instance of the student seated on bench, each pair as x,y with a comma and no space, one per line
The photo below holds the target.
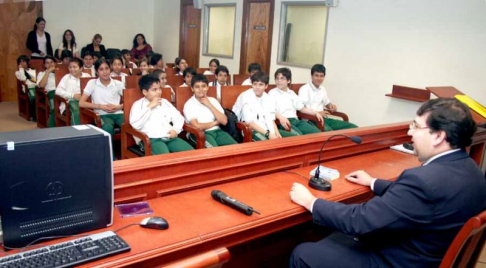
157,118
27,75
213,64
188,74
70,89
88,60
105,94
163,82
222,74
314,96
255,108
47,80
207,114
252,69
116,67
287,104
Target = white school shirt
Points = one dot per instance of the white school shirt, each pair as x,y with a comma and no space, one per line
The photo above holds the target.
172,93
184,85
156,122
247,82
67,87
314,98
101,94
251,109
193,109
287,103
122,75
41,45
20,74
208,72
51,81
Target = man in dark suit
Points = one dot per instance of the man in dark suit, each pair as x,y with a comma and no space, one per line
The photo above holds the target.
412,221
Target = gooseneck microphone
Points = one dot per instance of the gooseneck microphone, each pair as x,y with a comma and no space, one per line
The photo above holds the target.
319,183
232,203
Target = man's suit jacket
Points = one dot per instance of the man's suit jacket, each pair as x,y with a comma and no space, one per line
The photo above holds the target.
412,221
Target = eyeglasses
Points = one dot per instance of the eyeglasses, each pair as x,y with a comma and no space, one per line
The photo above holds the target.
414,126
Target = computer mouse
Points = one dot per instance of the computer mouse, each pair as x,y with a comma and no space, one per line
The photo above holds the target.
154,223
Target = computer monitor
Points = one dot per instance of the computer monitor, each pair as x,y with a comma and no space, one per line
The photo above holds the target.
56,181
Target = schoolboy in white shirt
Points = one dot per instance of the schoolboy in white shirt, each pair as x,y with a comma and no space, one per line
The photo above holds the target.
70,89
47,80
206,114
314,96
27,75
116,67
252,69
287,104
255,108
188,74
222,74
158,118
88,60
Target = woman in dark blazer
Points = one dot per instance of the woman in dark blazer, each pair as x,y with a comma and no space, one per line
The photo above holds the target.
39,41
96,47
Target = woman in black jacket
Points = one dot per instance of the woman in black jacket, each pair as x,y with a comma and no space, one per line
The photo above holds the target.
39,41
97,48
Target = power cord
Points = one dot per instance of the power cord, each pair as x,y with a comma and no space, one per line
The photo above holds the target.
295,173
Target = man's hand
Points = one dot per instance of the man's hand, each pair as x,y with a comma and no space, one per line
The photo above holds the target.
319,117
172,134
156,101
109,108
324,113
77,96
285,123
51,69
300,195
359,177
272,136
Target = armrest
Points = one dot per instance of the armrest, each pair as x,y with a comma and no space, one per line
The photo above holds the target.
88,116
41,95
198,133
58,100
320,125
342,115
128,129
246,130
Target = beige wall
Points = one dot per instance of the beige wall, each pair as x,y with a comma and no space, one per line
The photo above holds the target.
166,28
118,21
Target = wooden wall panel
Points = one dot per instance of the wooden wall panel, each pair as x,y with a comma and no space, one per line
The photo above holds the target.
190,33
17,19
256,40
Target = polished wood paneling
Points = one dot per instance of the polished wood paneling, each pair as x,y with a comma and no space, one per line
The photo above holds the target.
17,19
256,38
190,33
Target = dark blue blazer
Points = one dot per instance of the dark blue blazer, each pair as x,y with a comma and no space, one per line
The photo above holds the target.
411,222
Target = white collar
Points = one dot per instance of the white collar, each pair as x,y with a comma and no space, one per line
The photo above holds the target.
440,155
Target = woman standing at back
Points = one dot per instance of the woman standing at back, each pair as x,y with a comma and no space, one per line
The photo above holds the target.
38,40
69,44
140,48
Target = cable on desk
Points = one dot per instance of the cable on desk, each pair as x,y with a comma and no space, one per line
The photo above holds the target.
295,173
126,226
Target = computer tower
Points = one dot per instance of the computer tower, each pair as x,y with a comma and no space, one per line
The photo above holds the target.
56,181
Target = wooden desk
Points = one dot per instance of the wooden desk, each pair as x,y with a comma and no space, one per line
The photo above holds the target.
198,223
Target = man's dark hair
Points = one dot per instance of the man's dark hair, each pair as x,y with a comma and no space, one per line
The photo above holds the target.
23,58
319,68
221,68
49,57
254,67
189,70
147,81
199,78
285,72
79,62
155,58
260,77
451,116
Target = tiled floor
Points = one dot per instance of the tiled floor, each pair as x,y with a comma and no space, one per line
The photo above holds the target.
482,260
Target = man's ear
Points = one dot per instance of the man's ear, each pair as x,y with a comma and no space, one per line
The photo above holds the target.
439,137
144,92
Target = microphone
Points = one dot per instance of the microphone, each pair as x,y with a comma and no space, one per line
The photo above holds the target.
232,203
408,146
320,183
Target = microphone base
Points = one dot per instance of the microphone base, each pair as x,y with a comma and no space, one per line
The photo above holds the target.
320,184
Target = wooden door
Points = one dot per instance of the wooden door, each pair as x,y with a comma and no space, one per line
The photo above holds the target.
17,19
190,34
256,39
